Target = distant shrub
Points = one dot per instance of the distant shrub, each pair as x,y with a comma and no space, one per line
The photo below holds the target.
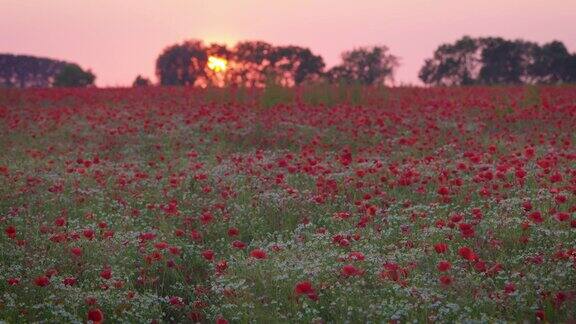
72,76
141,81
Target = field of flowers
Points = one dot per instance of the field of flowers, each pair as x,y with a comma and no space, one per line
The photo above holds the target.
183,205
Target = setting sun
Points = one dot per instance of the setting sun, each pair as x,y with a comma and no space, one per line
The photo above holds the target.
217,64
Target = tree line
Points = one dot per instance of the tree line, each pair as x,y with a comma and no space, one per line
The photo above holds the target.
23,71
467,61
256,63
495,60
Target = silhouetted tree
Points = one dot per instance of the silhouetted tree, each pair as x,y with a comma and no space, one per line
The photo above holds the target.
22,71
292,65
72,75
251,63
552,64
494,60
505,61
257,62
182,64
339,74
453,64
365,65
570,69
141,81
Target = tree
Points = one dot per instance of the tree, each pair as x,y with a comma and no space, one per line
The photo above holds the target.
455,64
72,75
182,64
569,74
365,65
22,71
251,63
141,81
257,62
494,60
293,65
339,74
552,64
505,61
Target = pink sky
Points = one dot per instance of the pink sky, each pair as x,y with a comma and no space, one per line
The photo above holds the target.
119,39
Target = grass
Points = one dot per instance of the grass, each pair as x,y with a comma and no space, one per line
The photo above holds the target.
319,177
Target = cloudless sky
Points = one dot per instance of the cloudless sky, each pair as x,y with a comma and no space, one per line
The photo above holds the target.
119,39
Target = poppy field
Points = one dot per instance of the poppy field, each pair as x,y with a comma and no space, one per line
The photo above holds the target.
161,205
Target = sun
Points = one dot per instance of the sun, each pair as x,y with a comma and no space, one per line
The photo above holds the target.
217,64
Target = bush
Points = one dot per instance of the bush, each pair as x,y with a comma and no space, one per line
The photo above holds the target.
72,76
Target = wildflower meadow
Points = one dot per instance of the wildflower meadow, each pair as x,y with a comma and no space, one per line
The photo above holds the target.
364,204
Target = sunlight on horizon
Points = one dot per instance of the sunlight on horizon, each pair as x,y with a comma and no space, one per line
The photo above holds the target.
119,40
217,64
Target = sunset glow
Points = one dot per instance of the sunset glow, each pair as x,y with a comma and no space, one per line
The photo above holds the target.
217,64
119,40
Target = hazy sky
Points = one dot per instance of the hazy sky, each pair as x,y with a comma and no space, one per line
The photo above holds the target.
119,39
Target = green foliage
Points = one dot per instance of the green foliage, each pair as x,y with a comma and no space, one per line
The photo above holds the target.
366,65
322,94
275,94
531,96
239,95
72,76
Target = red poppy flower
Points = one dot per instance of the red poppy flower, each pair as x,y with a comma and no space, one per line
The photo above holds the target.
356,256
443,191
349,270
221,266
562,217
106,273
76,251
10,232
221,320
444,266
239,244
208,255
69,281
88,233
42,281
95,315
441,247
536,217
233,231
258,254
176,301
509,288
467,253
206,218
445,280
305,288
